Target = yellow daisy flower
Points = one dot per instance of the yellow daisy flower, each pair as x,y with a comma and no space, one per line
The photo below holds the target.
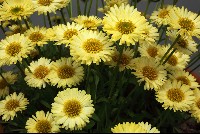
40,70
37,35
72,108
10,78
12,104
91,47
124,23
14,29
185,77
187,46
177,61
44,6
149,71
175,95
150,34
14,48
64,33
195,108
126,61
132,127
161,16
42,123
16,9
111,3
185,22
66,72
63,3
89,22
150,50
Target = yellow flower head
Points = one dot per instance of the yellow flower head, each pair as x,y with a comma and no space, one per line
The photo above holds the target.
12,104
42,123
72,108
14,29
124,23
175,95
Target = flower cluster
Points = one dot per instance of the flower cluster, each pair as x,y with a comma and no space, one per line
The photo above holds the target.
88,73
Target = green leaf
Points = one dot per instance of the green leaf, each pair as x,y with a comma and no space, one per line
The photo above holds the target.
102,99
45,104
90,125
95,117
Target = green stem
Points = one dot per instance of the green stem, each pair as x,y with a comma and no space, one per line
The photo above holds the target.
136,49
169,55
87,79
90,5
71,13
147,7
163,31
102,3
63,17
135,3
27,65
48,16
174,2
20,25
40,52
26,23
162,3
44,20
21,70
97,2
85,7
177,38
78,6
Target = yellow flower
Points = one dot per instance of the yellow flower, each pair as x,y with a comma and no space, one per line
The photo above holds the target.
175,95
14,48
185,78
10,78
195,108
64,33
89,22
72,108
149,71
16,9
185,22
42,123
14,29
187,46
39,72
12,104
66,72
161,16
132,127
37,35
63,3
124,23
91,47
44,6
126,61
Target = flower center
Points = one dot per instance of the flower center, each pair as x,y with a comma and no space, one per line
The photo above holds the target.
149,72
13,48
65,72
72,108
125,27
41,72
152,51
12,104
43,126
198,103
16,10
123,61
173,60
88,23
182,43
163,13
45,2
186,23
69,33
92,45
175,95
3,84
184,79
36,36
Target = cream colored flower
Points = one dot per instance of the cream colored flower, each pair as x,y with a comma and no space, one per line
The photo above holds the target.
175,95
91,47
195,108
14,29
12,104
66,72
39,72
42,123
124,23
10,78
149,71
72,108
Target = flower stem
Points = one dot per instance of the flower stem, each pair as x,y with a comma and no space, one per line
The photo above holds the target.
78,7
20,25
97,2
169,55
174,2
85,7
88,79
44,20
71,13
136,49
48,16
21,70
90,5
26,23
147,7
63,17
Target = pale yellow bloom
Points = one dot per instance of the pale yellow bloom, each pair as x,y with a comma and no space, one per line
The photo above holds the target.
195,108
